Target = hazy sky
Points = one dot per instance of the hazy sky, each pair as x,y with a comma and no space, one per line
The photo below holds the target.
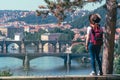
20,4
30,5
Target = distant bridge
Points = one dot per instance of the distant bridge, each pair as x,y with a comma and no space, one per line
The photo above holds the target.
57,46
39,52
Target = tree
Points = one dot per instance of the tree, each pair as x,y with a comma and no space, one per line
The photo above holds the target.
59,8
79,48
67,34
108,54
56,30
5,73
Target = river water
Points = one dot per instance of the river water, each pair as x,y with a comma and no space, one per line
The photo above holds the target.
44,66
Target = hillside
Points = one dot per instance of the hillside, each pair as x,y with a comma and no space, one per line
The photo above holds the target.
30,17
83,21
33,19
78,20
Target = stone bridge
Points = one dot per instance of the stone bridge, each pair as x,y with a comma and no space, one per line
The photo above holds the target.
57,46
26,57
39,52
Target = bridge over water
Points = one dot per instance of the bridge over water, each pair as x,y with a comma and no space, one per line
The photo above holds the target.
39,52
26,57
57,46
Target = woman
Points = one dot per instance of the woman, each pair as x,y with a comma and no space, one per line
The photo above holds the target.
94,49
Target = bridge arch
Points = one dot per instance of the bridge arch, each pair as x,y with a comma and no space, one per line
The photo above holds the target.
48,47
43,62
47,57
61,57
7,43
13,48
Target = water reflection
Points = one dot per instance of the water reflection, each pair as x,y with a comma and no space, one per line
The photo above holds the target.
43,66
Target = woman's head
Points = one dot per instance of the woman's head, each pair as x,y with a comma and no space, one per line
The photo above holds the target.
94,18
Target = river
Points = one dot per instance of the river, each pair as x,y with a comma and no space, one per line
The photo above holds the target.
43,66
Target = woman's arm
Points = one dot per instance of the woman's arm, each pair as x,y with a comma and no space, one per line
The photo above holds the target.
87,37
87,40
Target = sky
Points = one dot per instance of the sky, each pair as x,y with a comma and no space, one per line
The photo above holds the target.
92,6
20,4
33,5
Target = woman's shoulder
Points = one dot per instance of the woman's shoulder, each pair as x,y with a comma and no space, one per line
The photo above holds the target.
88,29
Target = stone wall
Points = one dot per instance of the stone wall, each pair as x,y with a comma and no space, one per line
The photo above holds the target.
107,77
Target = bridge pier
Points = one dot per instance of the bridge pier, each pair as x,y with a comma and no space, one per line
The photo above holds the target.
22,48
26,63
67,60
4,48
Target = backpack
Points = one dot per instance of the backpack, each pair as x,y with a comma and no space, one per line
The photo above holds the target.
97,36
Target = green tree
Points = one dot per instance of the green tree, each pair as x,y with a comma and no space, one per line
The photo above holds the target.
34,36
118,47
40,32
78,40
5,73
80,48
117,65
67,34
56,30
70,33
63,37
59,8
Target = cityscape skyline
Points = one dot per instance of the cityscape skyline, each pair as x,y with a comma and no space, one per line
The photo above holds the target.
32,5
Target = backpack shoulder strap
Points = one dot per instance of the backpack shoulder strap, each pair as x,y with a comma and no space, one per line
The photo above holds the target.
92,31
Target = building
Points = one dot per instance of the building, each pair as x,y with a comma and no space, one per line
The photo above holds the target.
49,36
18,36
4,30
26,29
12,30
